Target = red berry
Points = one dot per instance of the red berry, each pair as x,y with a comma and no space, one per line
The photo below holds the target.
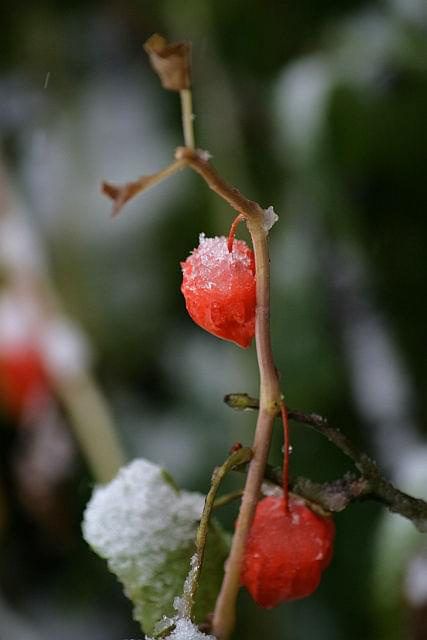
286,551
219,289
23,379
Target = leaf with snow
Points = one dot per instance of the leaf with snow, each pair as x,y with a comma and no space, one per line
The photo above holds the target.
145,528
186,630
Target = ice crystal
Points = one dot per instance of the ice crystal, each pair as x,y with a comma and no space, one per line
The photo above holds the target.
270,218
186,630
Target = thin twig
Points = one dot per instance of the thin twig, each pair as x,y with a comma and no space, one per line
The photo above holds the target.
222,501
362,461
231,234
199,162
237,458
335,496
187,117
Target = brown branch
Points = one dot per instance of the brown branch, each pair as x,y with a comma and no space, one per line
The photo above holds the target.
363,462
337,495
198,160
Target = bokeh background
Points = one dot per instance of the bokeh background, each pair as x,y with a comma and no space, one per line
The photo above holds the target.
317,108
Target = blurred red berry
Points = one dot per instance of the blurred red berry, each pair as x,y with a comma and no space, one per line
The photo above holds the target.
23,379
286,551
219,289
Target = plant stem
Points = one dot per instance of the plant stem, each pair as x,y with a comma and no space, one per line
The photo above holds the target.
337,495
198,161
92,424
239,457
270,396
227,498
187,117
224,614
285,473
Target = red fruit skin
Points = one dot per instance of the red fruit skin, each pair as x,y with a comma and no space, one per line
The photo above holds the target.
23,379
286,551
220,290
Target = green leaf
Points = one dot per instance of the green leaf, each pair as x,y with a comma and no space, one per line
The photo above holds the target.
145,528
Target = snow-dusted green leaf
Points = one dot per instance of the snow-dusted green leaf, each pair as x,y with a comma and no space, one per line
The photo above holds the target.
145,528
186,630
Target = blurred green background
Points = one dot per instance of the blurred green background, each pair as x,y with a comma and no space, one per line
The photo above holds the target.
317,108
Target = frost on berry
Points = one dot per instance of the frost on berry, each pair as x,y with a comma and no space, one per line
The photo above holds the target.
286,551
219,289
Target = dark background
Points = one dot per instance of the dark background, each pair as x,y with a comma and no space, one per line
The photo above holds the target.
317,108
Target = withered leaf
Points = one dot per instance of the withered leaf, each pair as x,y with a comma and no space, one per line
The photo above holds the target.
121,193
170,61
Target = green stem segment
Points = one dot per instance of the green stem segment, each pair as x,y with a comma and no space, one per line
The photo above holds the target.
239,457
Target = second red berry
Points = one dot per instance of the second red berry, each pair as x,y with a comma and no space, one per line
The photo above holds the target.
286,551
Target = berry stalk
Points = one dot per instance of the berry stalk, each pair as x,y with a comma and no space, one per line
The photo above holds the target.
233,230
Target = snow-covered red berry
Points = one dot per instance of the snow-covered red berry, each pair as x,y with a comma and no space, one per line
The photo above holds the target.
286,551
219,289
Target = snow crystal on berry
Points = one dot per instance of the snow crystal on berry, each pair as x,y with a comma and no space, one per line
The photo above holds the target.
219,289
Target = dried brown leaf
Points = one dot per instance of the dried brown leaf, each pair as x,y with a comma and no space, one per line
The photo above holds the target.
170,61
121,193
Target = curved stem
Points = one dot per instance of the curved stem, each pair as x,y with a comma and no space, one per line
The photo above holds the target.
232,231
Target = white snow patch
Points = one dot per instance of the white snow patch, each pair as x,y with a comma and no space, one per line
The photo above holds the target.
270,218
205,155
270,489
18,318
213,266
137,519
186,630
64,348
